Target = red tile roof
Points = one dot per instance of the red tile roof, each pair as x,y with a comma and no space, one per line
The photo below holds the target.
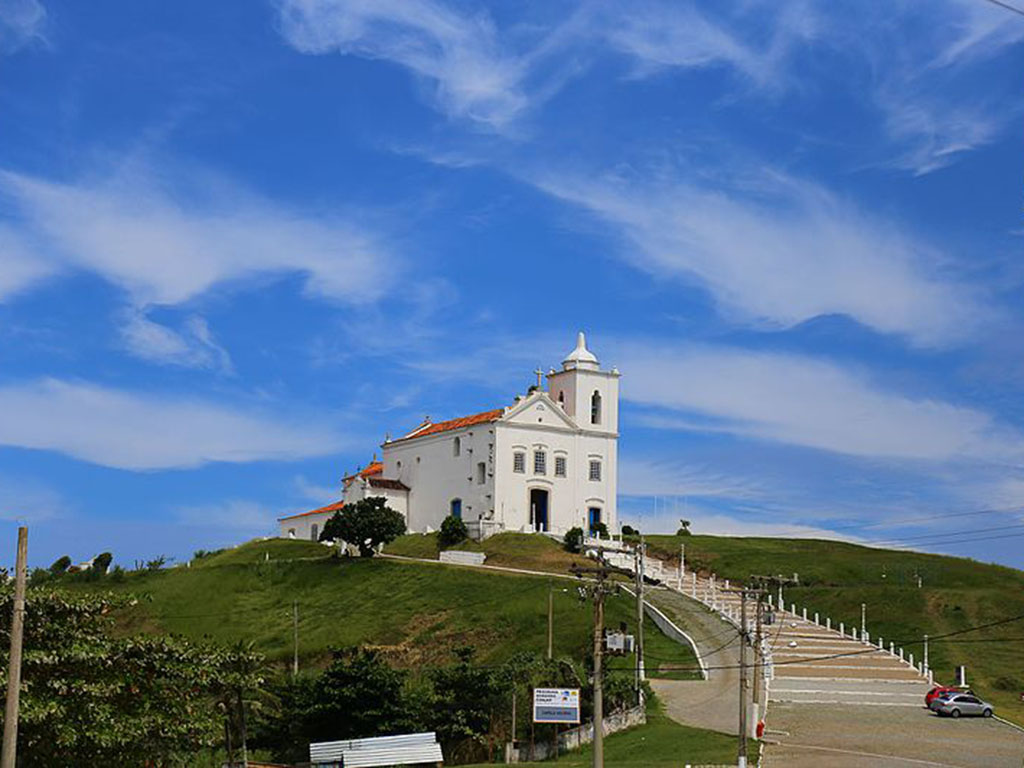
373,468
445,426
329,508
383,482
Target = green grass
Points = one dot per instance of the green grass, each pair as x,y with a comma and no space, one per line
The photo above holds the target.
661,742
416,613
514,550
836,577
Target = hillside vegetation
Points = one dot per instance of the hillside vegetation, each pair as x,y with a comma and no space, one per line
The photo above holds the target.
416,613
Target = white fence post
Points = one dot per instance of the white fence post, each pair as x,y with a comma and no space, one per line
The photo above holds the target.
828,622
816,619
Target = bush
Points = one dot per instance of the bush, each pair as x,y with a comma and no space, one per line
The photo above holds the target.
367,524
60,565
101,563
629,530
573,540
600,531
453,530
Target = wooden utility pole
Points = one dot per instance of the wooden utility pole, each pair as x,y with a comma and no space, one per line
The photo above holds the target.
551,622
10,745
742,759
639,570
758,657
295,638
598,591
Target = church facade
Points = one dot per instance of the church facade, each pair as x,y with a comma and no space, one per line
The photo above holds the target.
546,463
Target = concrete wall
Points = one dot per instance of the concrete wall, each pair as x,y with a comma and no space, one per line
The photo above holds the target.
574,738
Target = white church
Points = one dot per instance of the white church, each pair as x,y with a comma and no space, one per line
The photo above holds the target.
546,463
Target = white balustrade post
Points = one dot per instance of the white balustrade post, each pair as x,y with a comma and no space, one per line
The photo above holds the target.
828,622
842,630
805,614
818,623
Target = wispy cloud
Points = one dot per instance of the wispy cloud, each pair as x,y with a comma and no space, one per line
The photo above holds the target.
806,402
165,240
136,431
459,55
234,514
194,346
21,23
20,266
27,500
778,251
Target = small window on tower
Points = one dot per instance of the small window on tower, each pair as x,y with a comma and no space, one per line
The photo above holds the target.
595,469
560,466
481,473
519,462
595,408
457,446
540,463
561,400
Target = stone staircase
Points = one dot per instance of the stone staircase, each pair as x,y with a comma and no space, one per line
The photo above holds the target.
808,660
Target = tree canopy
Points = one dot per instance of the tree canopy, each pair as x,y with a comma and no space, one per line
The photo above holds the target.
367,524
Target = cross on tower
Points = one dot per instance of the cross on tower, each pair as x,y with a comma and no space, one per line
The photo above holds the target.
540,376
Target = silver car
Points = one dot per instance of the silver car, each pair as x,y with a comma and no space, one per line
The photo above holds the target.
963,704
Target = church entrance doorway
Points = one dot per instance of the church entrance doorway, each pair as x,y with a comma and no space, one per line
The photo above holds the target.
539,509
593,520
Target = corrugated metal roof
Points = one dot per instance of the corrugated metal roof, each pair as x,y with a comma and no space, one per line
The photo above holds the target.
408,749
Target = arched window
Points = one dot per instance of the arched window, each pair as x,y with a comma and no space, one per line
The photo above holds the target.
313,531
456,510
457,446
595,408
561,400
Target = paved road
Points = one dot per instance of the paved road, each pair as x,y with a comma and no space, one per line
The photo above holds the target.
711,703
812,735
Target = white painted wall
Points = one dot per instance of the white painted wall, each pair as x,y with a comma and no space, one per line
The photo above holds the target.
435,475
361,488
301,527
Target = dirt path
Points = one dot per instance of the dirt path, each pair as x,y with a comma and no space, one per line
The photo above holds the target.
711,703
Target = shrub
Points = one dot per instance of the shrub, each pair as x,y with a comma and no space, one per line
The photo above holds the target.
573,541
60,565
453,530
629,530
101,563
600,530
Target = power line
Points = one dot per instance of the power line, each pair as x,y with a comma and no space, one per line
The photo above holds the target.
1007,6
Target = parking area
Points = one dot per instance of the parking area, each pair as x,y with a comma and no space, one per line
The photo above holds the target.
813,735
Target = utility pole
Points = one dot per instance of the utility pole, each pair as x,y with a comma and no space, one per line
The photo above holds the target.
742,758
863,619
295,637
758,658
639,570
926,654
682,565
10,744
551,622
598,591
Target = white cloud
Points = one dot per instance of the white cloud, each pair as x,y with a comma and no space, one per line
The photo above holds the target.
779,251
237,514
460,55
806,402
193,347
20,266
135,431
165,243
317,494
21,23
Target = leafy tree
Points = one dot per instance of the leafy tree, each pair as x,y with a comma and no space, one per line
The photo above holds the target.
357,696
367,523
573,540
629,530
465,697
91,698
453,530
101,563
684,528
60,565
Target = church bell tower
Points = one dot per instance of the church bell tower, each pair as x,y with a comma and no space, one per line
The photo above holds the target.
588,394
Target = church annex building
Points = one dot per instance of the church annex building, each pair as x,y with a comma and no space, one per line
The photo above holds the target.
546,463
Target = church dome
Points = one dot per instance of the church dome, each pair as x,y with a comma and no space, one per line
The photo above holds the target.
581,357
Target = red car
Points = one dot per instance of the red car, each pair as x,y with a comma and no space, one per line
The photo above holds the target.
941,689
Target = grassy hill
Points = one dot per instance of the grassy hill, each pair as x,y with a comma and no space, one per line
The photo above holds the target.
417,613
835,578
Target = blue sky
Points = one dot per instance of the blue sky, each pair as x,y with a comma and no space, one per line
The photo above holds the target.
241,241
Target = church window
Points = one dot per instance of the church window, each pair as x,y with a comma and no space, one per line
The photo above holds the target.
457,446
561,400
481,473
540,463
595,469
518,461
313,532
560,466
456,508
595,408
